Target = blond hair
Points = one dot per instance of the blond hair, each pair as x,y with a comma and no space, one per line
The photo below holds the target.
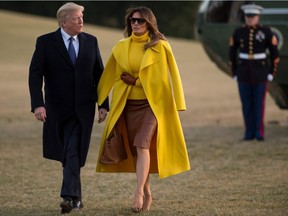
64,11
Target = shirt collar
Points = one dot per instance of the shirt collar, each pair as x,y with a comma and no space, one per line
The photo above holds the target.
67,36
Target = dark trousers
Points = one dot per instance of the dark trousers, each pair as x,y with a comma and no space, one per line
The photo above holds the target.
253,106
71,185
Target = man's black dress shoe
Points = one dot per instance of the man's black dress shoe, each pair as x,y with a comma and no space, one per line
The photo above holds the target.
66,205
77,204
246,139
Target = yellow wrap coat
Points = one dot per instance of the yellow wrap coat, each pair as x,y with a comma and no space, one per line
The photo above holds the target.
169,154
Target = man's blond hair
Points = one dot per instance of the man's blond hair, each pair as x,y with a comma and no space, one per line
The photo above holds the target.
64,10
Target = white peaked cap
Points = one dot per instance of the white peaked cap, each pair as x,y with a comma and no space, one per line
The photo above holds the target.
251,9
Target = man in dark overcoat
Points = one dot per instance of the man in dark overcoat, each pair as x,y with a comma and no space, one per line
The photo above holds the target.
69,62
252,67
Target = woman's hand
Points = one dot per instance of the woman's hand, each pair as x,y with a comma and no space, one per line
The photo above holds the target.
128,78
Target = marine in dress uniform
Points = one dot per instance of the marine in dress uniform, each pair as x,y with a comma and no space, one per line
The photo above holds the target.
252,67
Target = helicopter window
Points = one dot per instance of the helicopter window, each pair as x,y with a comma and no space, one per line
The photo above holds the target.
224,12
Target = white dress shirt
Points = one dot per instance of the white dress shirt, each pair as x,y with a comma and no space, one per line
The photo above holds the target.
66,40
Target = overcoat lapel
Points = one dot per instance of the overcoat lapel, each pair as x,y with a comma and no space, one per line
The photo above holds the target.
83,45
60,46
150,57
121,55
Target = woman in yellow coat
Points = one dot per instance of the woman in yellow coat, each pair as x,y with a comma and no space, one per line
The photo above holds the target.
147,95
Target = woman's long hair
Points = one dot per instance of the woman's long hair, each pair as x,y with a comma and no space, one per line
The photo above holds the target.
148,15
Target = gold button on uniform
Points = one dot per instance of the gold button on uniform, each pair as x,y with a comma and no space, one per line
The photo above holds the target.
251,35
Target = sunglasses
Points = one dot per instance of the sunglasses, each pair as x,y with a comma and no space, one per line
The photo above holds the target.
140,21
250,15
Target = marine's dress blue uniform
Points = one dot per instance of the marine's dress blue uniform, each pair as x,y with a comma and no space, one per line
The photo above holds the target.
251,64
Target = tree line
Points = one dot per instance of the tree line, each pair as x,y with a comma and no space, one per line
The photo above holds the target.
175,18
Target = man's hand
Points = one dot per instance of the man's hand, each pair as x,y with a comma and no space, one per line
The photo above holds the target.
40,114
128,78
102,115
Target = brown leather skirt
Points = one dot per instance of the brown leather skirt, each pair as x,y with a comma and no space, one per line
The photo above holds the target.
141,124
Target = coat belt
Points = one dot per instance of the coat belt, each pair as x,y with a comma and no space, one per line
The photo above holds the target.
255,56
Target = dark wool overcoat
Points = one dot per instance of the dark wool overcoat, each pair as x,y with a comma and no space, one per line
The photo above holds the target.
69,90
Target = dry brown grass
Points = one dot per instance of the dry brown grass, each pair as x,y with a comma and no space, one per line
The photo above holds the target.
226,177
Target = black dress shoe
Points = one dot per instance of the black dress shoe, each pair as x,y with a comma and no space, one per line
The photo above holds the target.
63,211
260,139
66,205
77,204
246,139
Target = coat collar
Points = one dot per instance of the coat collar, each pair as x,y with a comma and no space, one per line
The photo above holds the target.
60,45
83,45
121,50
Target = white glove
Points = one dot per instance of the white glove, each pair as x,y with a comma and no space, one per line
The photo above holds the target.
235,78
270,77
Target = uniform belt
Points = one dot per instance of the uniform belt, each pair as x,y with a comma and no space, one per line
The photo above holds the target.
252,56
